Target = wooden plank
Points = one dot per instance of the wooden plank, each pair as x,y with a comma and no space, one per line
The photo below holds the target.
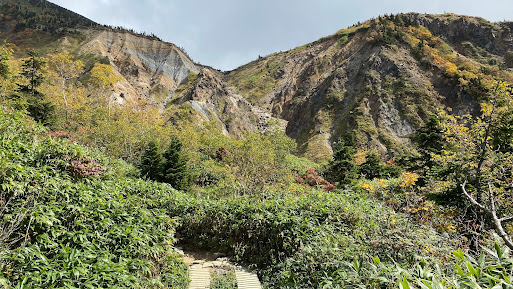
247,280
200,277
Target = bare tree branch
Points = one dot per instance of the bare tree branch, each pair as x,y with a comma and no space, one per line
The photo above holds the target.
497,222
473,201
507,219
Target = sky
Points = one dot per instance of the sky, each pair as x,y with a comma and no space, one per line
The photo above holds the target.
226,34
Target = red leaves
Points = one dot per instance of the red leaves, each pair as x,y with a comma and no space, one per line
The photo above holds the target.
61,134
312,178
86,167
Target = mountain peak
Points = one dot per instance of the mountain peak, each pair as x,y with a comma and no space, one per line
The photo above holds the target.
19,15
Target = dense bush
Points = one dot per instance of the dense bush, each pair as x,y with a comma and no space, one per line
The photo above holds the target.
308,240
67,222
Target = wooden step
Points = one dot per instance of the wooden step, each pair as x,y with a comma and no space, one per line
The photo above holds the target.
247,280
200,277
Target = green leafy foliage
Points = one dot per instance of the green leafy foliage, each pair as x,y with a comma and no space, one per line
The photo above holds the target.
228,281
492,269
151,161
307,240
72,218
79,224
373,167
342,168
5,55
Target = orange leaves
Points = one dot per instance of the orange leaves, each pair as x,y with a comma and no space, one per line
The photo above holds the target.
466,74
368,187
407,180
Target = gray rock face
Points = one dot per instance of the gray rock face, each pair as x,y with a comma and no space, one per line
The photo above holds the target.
215,101
496,38
147,65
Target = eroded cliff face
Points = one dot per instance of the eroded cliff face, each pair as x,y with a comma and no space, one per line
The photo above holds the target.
326,89
151,69
459,31
211,98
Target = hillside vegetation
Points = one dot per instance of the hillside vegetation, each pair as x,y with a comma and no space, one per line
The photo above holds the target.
378,157
72,218
380,79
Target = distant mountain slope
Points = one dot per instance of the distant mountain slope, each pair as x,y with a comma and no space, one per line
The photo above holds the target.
378,80
32,23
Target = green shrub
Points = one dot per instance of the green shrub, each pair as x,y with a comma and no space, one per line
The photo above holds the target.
493,269
73,221
306,241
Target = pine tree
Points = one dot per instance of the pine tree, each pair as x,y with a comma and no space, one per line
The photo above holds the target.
342,168
151,162
32,70
430,141
373,167
174,167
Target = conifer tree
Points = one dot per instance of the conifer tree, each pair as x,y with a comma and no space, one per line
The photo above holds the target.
342,168
373,167
430,141
151,162
32,70
174,167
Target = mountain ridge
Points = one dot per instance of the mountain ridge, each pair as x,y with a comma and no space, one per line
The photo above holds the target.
378,80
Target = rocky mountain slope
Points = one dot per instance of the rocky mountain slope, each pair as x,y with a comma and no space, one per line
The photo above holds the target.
378,80
148,66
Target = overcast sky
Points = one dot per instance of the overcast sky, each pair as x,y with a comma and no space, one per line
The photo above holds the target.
228,33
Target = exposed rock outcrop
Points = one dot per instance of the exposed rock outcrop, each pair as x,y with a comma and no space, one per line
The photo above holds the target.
496,38
350,82
149,67
215,101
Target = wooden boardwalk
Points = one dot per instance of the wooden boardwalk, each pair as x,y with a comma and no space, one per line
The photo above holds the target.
202,265
247,280
200,277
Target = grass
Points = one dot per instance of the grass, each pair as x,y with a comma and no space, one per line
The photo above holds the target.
223,279
258,78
